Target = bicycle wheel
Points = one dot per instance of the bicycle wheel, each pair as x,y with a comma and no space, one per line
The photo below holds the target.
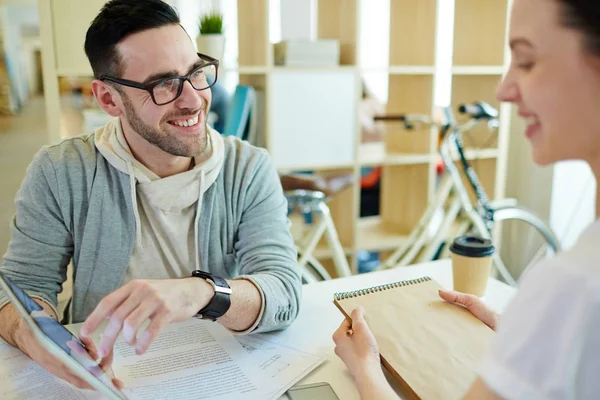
312,270
522,239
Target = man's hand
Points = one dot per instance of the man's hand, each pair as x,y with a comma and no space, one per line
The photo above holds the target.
473,304
161,301
23,339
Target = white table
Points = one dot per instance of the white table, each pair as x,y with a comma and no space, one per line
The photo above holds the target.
319,317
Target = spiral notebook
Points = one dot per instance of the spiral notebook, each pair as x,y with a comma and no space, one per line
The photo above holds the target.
431,347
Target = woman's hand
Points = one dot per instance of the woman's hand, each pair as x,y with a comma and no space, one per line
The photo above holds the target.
356,346
473,304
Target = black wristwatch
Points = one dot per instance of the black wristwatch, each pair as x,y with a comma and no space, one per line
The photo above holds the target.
220,302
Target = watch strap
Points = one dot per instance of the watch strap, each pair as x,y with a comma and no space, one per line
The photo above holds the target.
220,301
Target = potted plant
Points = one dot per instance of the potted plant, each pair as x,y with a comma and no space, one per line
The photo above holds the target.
211,40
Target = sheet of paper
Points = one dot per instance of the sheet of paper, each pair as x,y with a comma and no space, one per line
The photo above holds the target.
189,360
22,378
281,366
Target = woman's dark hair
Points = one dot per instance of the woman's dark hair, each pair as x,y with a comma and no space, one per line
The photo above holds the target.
584,16
117,20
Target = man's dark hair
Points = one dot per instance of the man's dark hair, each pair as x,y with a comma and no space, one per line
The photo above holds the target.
117,20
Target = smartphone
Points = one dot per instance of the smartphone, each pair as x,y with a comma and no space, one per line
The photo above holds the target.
59,341
321,391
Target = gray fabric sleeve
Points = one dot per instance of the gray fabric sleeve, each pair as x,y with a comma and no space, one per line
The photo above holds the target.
41,245
265,248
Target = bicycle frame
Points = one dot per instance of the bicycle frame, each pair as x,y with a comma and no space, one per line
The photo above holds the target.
454,138
481,217
460,214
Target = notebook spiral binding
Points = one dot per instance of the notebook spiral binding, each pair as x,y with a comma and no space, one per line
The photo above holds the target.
361,292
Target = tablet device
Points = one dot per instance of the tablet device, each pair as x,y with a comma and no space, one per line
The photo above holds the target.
59,342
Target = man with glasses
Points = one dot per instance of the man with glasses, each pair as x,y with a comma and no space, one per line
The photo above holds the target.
162,218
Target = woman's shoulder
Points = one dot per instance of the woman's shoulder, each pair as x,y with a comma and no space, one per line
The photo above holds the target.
550,326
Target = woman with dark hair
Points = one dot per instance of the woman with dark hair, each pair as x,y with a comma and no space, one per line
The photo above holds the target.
547,344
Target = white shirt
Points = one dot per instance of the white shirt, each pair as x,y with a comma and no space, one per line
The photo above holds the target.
548,341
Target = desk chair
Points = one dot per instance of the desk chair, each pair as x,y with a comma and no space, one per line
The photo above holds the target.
309,194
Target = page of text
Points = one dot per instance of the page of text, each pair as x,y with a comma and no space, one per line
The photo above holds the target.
189,360
281,366
23,379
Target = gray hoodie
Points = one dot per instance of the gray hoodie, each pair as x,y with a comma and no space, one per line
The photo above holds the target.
166,210
75,205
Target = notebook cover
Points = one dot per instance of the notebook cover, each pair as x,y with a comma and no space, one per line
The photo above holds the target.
431,347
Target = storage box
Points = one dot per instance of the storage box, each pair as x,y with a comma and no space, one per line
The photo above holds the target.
307,53
313,118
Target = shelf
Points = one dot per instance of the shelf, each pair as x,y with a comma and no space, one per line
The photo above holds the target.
314,168
477,154
373,154
68,72
373,236
324,252
478,70
402,69
246,70
480,32
283,68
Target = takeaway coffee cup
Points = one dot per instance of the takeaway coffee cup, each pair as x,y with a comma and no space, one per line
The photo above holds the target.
471,264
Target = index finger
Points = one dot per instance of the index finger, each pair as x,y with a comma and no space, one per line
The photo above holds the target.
341,330
453,296
104,309
90,346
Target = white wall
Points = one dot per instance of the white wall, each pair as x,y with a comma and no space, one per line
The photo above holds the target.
573,200
297,19
31,45
374,45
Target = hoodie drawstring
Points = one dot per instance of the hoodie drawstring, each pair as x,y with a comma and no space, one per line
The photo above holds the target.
136,213
197,219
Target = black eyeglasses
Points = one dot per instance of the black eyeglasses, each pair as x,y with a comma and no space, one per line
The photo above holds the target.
166,90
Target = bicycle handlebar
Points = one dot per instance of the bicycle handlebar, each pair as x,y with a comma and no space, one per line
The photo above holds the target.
451,133
407,119
478,110
391,117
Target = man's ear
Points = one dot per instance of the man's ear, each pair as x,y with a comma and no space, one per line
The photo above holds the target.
107,98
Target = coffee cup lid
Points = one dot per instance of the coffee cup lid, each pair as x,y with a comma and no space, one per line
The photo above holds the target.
472,246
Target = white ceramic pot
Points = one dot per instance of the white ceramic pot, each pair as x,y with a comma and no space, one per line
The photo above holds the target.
212,45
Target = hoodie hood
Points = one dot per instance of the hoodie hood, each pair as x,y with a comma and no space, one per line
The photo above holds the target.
170,194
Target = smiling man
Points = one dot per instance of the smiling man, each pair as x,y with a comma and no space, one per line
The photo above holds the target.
162,218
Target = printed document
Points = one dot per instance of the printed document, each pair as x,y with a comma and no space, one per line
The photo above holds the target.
193,359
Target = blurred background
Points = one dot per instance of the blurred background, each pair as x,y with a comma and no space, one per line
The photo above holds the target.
304,79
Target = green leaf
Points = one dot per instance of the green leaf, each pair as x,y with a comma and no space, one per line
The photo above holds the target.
211,23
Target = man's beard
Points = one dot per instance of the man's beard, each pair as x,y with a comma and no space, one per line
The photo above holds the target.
171,144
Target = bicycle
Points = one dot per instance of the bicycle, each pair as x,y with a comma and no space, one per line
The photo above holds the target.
308,195
460,215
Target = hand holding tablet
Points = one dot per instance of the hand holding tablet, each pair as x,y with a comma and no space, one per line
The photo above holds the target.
56,349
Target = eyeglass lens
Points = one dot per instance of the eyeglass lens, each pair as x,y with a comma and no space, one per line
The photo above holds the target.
202,78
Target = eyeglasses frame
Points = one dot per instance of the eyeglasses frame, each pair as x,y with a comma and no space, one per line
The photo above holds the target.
149,87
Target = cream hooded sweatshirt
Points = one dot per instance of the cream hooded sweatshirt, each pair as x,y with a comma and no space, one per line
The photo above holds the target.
166,209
